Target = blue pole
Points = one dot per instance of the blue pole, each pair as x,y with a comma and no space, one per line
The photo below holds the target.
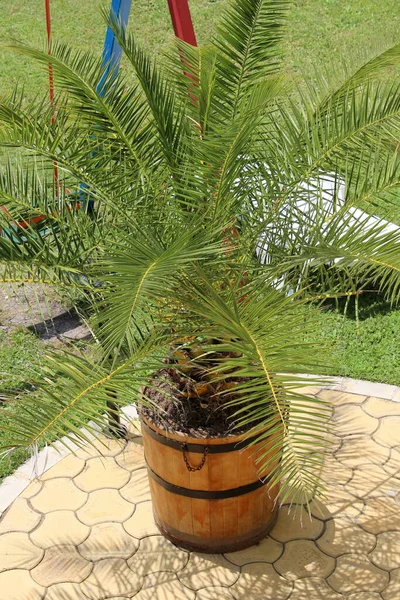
112,50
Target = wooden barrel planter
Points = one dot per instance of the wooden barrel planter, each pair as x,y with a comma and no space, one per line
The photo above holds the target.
206,493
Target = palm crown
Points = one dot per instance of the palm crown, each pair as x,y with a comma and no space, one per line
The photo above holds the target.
208,227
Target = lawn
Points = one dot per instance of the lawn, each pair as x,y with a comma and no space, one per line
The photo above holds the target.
320,33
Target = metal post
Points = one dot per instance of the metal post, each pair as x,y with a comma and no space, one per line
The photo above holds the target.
182,21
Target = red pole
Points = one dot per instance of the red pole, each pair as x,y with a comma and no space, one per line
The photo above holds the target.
182,21
51,82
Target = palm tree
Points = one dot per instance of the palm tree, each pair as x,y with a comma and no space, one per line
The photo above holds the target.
212,227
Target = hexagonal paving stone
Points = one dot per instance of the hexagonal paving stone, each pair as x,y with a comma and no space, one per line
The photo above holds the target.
378,407
343,536
132,457
388,433
108,540
105,505
18,552
302,558
61,564
313,588
369,481
355,573
70,466
19,585
138,488
19,517
101,472
268,550
259,581
214,593
335,473
295,524
340,502
379,515
156,553
111,577
340,398
361,450
351,420
64,591
386,554
364,596
32,489
392,592
392,466
165,586
102,446
58,494
205,570
60,528
142,522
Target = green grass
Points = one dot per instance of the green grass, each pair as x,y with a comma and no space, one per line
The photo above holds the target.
320,32
367,349
20,354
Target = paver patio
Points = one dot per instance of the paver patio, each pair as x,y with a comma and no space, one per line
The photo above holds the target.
84,530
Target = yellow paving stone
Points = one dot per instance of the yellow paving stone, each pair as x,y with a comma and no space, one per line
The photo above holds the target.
19,517
378,407
313,588
61,564
295,524
388,433
370,480
340,502
70,466
19,585
320,510
308,390
105,505
64,591
335,473
166,586
379,515
392,466
32,490
142,522
111,577
386,554
59,528
133,428
132,457
341,398
392,591
302,558
58,494
108,540
205,570
101,472
259,581
214,593
268,550
18,552
352,420
138,488
101,446
364,596
360,450
355,573
156,553
343,536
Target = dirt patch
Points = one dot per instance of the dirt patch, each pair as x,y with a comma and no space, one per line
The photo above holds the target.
208,415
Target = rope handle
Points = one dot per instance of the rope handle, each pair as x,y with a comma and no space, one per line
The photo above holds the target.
186,460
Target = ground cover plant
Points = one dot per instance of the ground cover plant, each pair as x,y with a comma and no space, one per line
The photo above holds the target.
199,252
